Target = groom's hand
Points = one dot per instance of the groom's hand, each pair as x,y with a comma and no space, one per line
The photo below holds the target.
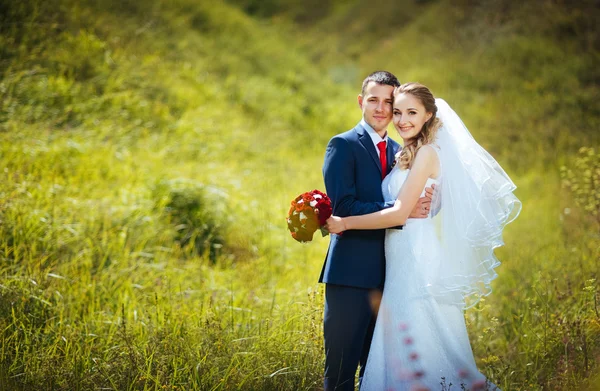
423,206
335,225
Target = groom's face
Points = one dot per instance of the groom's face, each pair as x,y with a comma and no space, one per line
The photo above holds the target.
376,105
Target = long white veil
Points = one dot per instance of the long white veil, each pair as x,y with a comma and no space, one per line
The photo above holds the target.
477,201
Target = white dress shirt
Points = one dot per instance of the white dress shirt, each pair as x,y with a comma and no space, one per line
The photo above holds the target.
374,136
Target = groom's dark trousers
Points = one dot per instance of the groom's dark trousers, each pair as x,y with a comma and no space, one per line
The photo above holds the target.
355,262
348,319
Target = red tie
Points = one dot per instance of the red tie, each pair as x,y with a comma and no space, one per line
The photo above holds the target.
382,158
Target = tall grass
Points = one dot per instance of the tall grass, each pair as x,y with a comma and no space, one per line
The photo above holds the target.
148,156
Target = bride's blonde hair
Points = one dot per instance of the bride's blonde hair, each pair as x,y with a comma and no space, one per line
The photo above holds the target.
429,129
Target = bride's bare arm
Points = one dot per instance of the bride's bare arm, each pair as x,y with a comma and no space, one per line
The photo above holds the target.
424,166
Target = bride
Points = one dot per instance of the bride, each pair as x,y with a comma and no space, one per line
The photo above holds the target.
438,266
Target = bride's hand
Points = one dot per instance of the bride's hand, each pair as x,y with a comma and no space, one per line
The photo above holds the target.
423,205
335,225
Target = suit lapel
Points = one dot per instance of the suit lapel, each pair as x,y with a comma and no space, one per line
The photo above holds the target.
366,141
391,154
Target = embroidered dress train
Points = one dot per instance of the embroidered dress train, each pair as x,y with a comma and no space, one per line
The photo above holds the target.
420,338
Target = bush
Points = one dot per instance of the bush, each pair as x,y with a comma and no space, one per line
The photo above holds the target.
195,214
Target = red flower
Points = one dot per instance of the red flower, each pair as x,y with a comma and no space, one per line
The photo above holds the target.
324,209
308,212
419,374
299,205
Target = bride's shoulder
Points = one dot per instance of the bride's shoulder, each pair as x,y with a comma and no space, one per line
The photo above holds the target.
427,158
428,152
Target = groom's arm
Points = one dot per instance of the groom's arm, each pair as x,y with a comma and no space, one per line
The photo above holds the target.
338,173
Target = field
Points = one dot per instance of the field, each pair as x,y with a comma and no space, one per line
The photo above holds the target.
149,152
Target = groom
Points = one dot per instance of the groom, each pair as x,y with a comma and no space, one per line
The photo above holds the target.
355,164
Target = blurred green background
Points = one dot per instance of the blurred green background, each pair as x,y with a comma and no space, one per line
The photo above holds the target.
149,152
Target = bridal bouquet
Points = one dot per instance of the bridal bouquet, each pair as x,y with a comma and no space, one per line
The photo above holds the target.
309,212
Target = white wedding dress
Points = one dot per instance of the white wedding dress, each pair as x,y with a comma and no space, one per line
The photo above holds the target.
419,340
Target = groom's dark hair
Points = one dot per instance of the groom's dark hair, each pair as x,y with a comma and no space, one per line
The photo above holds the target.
380,77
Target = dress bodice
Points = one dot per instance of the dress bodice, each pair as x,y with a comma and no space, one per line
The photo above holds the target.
392,183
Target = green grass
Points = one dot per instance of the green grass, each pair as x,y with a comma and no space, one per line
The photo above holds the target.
148,156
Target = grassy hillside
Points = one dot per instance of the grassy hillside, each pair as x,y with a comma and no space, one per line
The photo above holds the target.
149,151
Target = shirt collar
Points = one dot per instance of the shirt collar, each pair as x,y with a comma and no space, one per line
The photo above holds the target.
372,133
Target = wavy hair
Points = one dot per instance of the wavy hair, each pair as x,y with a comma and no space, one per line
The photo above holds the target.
429,129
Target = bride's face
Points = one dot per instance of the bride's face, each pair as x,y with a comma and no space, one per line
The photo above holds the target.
409,116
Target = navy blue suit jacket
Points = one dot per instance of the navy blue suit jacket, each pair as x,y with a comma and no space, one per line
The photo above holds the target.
352,174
